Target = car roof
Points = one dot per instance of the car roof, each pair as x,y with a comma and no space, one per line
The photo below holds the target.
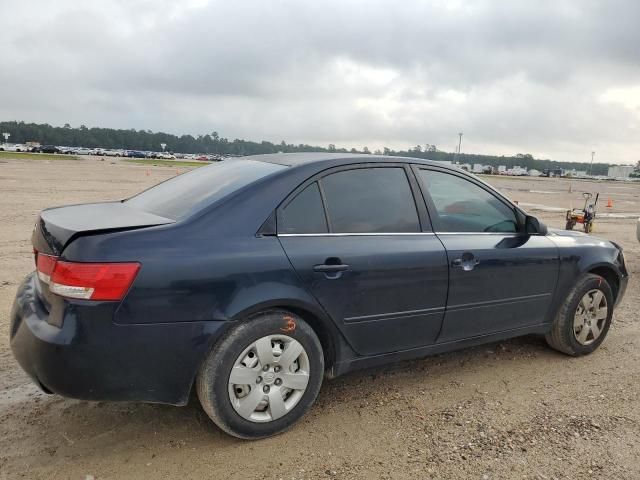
307,158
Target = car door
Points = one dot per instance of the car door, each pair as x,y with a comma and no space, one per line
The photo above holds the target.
366,251
500,278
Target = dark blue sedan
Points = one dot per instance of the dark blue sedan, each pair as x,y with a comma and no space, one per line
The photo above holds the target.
251,279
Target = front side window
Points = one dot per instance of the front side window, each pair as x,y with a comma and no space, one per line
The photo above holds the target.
370,200
303,214
463,206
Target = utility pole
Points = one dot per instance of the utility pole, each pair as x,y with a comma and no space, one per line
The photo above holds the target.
591,165
457,154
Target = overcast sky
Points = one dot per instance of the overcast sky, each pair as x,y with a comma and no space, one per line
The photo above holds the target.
557,79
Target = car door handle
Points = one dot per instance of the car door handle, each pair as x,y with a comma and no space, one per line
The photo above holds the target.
332,268
324,268
467,262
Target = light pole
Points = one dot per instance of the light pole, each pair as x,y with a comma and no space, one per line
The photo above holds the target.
591,164
6,136
163,145
457,154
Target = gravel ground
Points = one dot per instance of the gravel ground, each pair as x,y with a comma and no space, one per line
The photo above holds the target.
513,409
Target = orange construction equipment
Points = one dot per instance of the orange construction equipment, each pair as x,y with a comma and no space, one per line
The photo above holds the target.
586,216
609,203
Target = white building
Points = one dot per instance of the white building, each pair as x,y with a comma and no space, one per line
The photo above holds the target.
576,173
620,171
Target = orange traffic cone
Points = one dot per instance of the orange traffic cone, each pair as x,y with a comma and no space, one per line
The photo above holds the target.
610,203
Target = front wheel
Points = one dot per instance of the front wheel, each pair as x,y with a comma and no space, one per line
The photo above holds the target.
584,318
262,376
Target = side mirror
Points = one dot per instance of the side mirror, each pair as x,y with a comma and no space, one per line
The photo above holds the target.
534,226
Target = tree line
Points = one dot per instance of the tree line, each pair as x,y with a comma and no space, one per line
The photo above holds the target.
213,143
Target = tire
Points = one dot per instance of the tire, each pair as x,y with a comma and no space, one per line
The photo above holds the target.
224,401
566,332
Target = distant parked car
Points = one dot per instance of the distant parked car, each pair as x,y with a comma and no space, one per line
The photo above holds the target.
112,153
49,149
136,154
166,156
83,151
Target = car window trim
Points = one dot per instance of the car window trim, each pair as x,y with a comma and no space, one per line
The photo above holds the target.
323,200
354,234
424,219
433,212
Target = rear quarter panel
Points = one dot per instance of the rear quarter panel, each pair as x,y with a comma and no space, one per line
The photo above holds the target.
190,275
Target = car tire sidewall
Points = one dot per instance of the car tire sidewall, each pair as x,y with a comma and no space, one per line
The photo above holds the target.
214,375
592,282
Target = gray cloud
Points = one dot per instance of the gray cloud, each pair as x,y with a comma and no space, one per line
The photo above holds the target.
554,78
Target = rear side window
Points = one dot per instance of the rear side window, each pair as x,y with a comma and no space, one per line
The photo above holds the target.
304,214
463,206
185,194
370,200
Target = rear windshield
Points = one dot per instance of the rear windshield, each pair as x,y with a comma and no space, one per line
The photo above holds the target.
181,196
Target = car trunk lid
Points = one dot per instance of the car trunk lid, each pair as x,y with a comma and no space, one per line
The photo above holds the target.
57,227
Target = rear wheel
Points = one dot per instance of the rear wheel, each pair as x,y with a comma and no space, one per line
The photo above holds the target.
570,221
584,318
262,376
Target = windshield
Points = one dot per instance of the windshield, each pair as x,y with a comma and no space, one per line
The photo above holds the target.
181,196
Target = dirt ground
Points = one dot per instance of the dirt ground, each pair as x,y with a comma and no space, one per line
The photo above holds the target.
513,409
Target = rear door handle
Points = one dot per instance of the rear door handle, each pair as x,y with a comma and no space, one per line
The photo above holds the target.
332,268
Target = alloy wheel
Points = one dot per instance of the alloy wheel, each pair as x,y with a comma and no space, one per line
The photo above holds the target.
590,317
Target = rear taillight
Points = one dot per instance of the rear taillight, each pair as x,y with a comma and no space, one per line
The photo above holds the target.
88,281
45,265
